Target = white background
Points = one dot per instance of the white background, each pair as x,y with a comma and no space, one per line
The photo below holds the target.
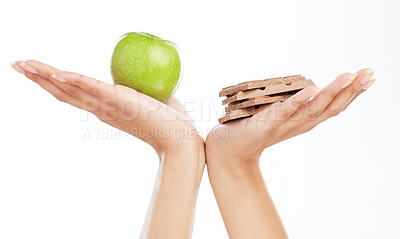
341,180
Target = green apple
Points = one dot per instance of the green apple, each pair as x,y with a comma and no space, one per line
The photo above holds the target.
147,64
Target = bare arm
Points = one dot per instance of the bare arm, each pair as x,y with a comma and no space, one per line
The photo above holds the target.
244,201
233,151
163,126
172,208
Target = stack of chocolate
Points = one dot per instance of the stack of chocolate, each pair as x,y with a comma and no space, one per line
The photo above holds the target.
244,100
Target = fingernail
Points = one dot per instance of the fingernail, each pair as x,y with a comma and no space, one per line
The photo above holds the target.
349,81
58,78
17,68
369,83
315,93
367,76
28,68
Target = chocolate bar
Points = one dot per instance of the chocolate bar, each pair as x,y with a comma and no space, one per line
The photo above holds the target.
248,85
257,101
248,98
240,113
268,90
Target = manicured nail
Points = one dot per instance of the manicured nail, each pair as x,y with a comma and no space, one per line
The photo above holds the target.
369,83
28,68
17,68
316,92
349,81
367,76
313,95
58,78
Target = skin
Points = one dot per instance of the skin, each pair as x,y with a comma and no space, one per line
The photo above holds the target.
162,125
233,149
233,152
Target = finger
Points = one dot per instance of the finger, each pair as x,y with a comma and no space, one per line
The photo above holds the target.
17,67
349,93
39,68
58,93
264,110
54,90
307,121
362,90
291,105
329,92
316,106
44,71
310,110
92,86
281,112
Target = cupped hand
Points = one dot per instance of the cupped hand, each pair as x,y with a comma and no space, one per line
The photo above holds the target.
245,139
162,125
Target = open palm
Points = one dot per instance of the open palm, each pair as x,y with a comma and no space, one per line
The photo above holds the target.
162,125
247,138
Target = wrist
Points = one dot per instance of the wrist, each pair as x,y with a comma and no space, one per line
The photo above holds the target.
182,146
185,155
176,142
232,164
235,158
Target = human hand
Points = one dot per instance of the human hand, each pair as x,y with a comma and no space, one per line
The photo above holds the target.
234,148
245,139
162,125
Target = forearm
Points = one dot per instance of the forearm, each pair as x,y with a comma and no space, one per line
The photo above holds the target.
243,199
172,208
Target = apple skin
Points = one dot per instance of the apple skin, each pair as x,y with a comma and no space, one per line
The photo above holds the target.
147,64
